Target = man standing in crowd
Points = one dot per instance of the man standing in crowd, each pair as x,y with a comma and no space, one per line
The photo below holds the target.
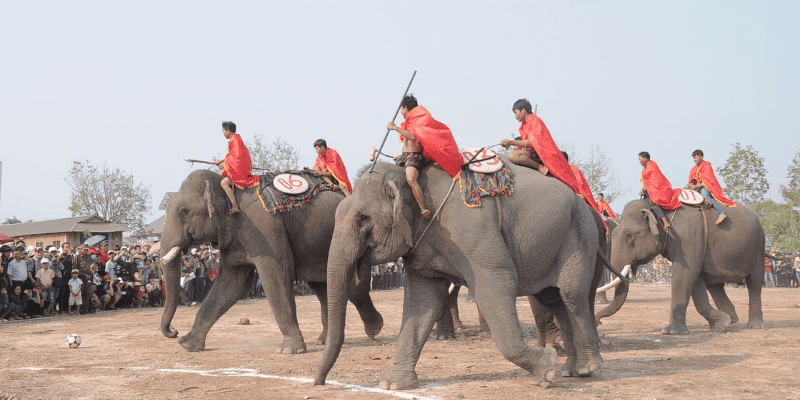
18,269
83,263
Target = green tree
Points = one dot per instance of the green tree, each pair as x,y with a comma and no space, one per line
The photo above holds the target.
12,220
745,175
781,222
107,193
791,192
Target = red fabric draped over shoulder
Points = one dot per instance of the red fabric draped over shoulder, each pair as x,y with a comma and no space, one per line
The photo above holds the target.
703,174
586,191
333,163
437,141
658,187
605,208
238,165
535,132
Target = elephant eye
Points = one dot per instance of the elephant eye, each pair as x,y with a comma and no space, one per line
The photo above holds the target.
361,221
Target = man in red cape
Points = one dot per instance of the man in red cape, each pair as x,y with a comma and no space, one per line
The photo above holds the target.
329,164
536,138
237,167
605,209
657,189
585,190
425,139
703,180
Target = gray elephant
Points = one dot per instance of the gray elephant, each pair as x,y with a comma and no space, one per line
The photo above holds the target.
284,247
601,297
704,256
540,241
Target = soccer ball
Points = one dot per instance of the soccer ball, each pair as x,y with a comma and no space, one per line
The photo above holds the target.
73,341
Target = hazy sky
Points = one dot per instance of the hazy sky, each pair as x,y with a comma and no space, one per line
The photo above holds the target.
143,85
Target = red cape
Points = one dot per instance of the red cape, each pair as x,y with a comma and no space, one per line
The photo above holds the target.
238,165
586,191
658,187
604,207
334,164
704,175
437,141
535,132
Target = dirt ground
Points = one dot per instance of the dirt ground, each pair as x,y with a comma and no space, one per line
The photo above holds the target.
125,356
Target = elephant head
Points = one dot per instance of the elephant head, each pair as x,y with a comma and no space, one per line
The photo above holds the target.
373,226
195,215
636,241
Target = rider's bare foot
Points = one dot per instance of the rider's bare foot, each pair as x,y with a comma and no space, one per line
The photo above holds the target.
372,152
667,226
543,170
720,219
234,210
426,213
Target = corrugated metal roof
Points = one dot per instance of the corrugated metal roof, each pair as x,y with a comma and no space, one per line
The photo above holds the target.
157,226
75,224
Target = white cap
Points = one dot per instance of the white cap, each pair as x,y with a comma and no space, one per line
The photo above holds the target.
51,248
194,251
45,260
29,248
123,247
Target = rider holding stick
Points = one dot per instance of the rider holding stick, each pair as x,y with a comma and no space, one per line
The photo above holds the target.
237,167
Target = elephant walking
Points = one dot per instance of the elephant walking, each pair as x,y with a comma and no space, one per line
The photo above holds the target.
284,248
546,246
704,257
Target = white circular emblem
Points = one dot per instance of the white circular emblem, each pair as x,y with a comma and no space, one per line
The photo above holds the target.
493,164
688,196
290,183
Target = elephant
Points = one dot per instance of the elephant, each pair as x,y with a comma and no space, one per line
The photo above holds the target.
601,297
704,257
539,241
284,247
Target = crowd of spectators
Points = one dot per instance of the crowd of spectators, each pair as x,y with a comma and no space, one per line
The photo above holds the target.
388,276
199,270
782,269
36,282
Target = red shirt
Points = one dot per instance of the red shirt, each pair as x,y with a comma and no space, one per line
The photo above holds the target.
535,132
438,143
606,210
658,187
333,163
703,175
238,165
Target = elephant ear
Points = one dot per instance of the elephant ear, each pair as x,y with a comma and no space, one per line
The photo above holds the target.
210,197
651,221
399,224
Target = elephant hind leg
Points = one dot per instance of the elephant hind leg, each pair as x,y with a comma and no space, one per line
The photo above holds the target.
717,320
722,301
549,334
754,283
453,300
321,291
230,285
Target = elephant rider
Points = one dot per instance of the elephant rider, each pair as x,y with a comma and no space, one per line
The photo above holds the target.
703,180
605,209
237,167
328,164
657,189
424,139
536,141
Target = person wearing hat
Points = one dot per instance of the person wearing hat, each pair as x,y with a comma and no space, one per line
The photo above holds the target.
75,289
83,261
46,277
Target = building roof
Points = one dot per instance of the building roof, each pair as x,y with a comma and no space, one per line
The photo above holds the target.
153,229
92,223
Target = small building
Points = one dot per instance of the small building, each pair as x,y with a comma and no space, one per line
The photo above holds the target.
152,231
73,230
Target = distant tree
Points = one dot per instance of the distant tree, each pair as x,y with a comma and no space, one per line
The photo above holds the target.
597,170
12,220
779,221
110,194
791,192
277,156
745,175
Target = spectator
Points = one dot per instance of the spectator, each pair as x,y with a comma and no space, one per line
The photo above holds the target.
6,306
37,259
111,265
101,291
66,258
114,293
18,269
127,294
153,292
75,296
213,268
768,265
5,258
46,277
797,269
104,257
36,304
141,296
19,301
200,279
83,262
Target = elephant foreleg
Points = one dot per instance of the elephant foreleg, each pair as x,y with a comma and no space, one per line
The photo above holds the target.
424,302
717,320
359,296
722,301
230,285
682,285
321,291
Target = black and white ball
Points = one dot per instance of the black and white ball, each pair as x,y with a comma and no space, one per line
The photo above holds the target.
73,341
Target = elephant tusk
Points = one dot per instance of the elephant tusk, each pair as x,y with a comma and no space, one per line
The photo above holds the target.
625,271
173,252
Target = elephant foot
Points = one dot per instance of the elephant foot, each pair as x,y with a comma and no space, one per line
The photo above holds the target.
400,381
719,322
544,367
443,334
189,342
291,346
458,326
676,329
601,298
322,337
373,328
756,324
569,369
170,332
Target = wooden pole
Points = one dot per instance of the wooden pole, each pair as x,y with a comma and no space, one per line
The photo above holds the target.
369,176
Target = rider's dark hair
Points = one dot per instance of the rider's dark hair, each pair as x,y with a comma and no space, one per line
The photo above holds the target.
523,104
409,102
697,152
229,126
566,156
321,143
644,154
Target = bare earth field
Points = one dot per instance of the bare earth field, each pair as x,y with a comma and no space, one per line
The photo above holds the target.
125,356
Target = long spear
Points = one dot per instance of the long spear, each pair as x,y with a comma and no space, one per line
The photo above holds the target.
213,163
389,130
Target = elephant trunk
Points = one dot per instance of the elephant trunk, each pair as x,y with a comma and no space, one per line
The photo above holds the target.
172,281
341,270
620,294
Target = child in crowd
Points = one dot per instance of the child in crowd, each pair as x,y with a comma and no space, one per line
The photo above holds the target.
75,287
46,276
6,307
